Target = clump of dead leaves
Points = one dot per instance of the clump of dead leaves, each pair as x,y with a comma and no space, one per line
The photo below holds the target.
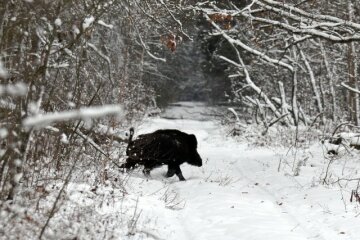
170,41
225,20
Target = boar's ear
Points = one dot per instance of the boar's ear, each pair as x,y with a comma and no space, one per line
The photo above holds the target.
192,140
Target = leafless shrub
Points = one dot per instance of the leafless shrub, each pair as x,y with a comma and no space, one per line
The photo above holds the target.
220,179
132,223
172,200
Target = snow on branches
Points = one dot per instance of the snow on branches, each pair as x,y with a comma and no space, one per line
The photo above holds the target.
3,71
42,120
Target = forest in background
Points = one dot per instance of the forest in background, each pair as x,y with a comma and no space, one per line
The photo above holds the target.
73,62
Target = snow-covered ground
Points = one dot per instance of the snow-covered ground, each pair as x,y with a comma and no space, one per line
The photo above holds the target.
243,191
239,193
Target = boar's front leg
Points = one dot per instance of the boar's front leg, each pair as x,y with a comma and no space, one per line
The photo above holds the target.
171,171
179,174
149,165
129,164
175,169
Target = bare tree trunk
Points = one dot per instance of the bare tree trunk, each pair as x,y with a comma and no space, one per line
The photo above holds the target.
16,163
329,75
262,113
295,110
322,94
303,117
352,72
313,84
3,21
284,109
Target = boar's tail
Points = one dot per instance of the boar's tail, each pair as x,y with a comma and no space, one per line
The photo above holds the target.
130,140
131,134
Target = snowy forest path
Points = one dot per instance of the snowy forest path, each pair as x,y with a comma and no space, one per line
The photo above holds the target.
234,195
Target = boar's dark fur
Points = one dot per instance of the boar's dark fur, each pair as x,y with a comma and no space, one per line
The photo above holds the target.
163,147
